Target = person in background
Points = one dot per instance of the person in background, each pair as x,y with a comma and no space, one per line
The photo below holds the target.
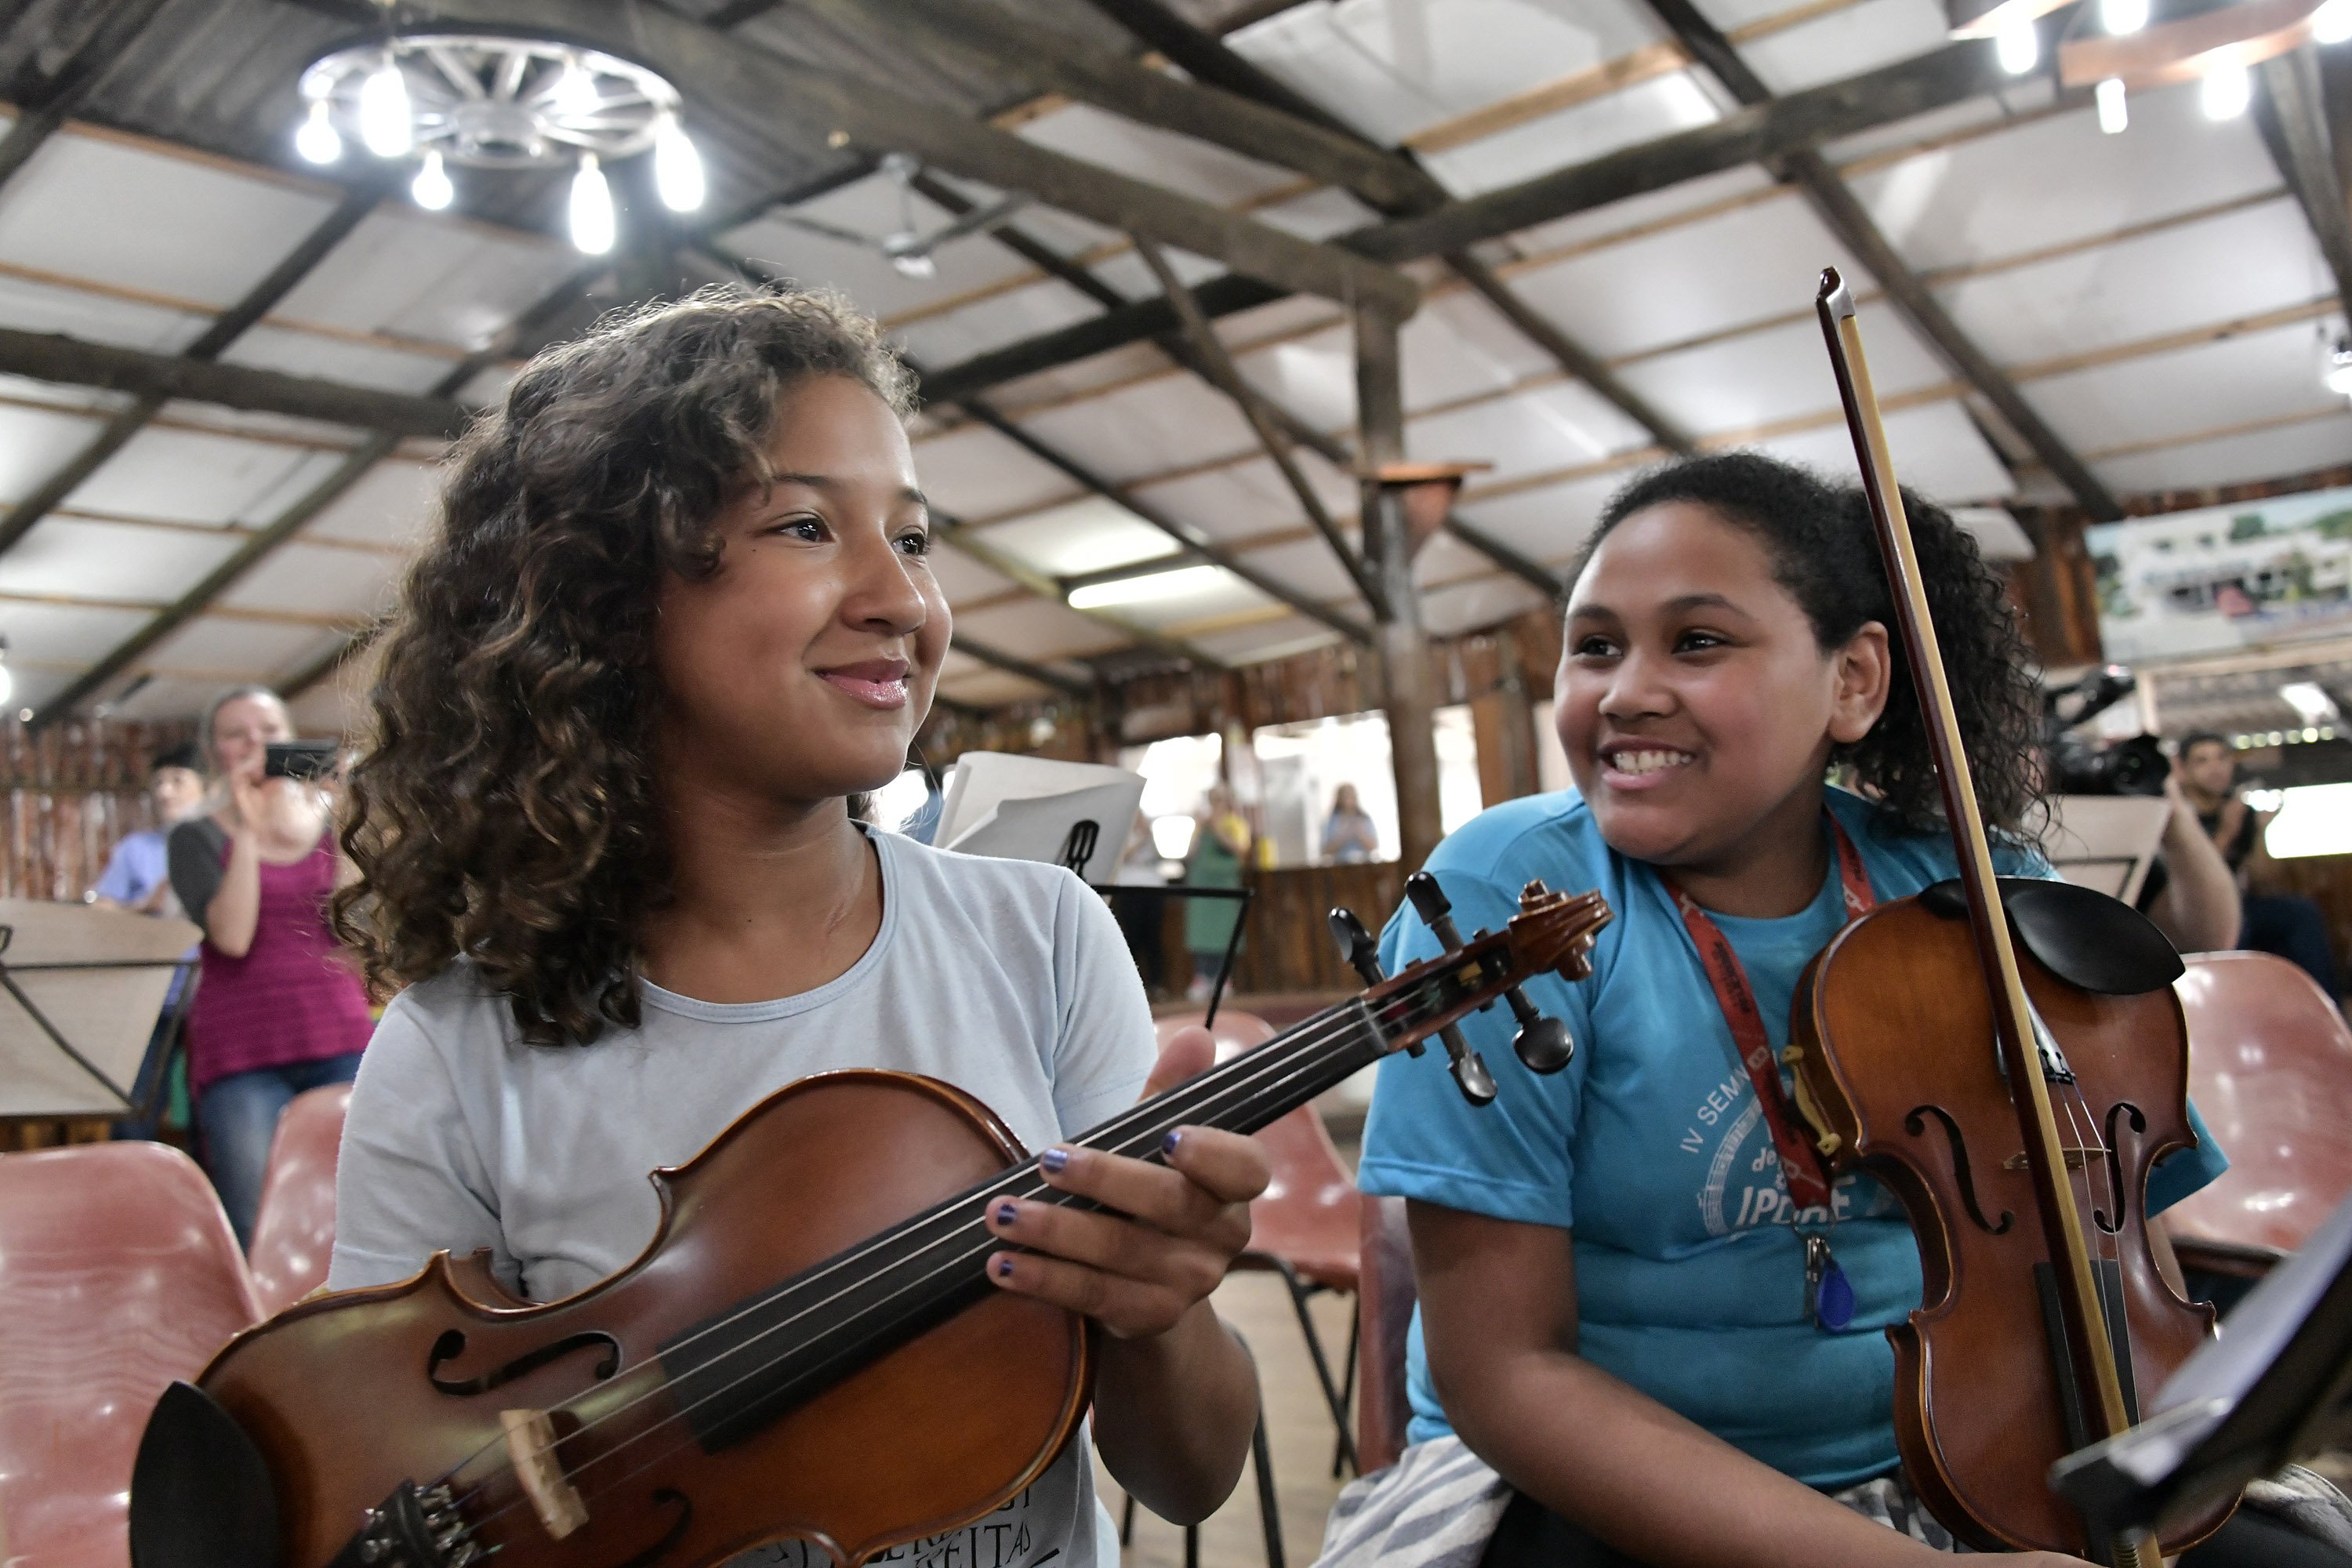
1349,837
278,1010
2289,925
137,879
2189,892
136,876
1220,847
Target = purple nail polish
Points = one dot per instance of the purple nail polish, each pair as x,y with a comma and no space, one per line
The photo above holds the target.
1168,1144
1006,1213
1004,1268
1054,1160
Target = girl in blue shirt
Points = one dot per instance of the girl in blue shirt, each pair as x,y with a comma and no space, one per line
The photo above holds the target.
1613,1310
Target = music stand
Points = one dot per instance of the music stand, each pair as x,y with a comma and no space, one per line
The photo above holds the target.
80,988
2275,1387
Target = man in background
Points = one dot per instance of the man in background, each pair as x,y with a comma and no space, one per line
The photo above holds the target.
137,878
2287,924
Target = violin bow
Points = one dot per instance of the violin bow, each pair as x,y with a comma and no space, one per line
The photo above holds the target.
2079,1308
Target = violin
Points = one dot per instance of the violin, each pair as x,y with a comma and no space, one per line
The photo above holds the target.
2013,1095
773,1365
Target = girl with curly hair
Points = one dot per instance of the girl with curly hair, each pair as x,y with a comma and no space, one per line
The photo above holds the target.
678,611
1634,1344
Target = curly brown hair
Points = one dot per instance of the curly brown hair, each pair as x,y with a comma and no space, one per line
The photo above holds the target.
502,810
1825,554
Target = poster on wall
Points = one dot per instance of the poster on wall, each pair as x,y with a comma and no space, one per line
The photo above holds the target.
2225,577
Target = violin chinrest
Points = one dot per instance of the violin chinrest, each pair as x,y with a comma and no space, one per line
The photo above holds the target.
2090,941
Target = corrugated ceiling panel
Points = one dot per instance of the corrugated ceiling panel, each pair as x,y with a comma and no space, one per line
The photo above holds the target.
952,338
422,275
1145,428
2242,264
1261,641
320,578
230,648
1846,43
172,697
961,577
2233,460
1549,428
2260,376
36,443
106,211
972,472
66,633
184,477
1754,264
2058,179
1783,373
1642,112
1451,609
1638,212
337,360
1040,631
36,307
1177,163
1938,451
45,395
1552,523
1244,499
1307,566
1314,377
1083,536
111,560
391,505
871,207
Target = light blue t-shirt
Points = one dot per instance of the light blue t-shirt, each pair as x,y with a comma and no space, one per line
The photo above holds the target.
1651,1147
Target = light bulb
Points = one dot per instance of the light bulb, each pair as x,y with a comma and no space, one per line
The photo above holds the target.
2121,16
2019,46
431,187
592,208
678,167
2113,117
316,139
2332,23
2338,376
2226,91
7,684
576,92
385,122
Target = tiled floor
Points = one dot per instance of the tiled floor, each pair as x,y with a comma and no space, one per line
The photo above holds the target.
1298,1429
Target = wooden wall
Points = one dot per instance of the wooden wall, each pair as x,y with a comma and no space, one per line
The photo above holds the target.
73,790
1288,948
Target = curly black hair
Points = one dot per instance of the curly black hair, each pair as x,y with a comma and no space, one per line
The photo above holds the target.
502,809
1825,554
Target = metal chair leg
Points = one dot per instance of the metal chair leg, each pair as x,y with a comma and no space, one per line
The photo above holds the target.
1127,1523
1340,1454
1269,1511
1299,1292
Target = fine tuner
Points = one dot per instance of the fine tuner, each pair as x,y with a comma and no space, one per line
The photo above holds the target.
1542,1044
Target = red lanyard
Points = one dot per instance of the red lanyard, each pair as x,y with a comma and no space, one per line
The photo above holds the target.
1801,1160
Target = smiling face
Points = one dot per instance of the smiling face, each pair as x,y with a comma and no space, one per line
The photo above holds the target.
800,669
1697,708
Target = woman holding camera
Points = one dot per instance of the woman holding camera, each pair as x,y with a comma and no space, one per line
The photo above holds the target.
277,1010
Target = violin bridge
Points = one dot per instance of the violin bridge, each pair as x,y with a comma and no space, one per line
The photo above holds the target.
531,1444
2075,1159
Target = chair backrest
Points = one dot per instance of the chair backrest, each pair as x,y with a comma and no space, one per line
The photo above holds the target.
2270,1066
294,1224
119,1274
1384,1303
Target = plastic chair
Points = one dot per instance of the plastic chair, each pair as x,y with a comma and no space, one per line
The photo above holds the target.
119,1274
2270,1066
1384,1303
1305,1226
294,1224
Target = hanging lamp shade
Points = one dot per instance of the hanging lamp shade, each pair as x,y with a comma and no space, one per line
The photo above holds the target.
2242,36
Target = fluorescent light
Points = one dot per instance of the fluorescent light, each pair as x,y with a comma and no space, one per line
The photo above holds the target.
316,141
2113,117
2338,376
2310,699
2018,43
431,187
2332,23
2226,91
2313,819
1172,584
2120,16
385,122
592,227
678,167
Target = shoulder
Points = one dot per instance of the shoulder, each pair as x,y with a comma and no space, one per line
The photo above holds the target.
977,883
455,1026
1548,835
198,833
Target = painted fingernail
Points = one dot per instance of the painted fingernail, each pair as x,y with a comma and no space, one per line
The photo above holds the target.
1054,1160
1004,1268
1007,1212
1168,1144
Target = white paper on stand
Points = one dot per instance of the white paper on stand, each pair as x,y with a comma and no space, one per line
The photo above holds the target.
1038,828
982,780
106,1015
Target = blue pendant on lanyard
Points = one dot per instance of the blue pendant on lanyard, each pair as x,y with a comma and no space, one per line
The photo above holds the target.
1828,1294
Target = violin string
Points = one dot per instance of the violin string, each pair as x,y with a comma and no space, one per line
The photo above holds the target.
2110,1239
1300,1058
1271,1066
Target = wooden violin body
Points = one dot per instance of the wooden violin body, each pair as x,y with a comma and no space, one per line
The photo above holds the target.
1895,1057
961,1417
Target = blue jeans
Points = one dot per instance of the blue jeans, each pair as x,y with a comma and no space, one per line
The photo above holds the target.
237,1116
2295,929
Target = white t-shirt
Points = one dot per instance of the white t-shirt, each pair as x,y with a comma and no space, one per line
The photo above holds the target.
1007,978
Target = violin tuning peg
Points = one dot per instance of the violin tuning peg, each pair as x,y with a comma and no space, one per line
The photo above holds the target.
1543,1044
1436,911
1470,1074
1356,948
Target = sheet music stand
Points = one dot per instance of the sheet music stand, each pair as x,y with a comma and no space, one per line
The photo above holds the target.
80,989
2275,1388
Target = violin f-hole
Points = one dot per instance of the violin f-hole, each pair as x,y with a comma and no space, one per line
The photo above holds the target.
452,1345
2109,1219
1916,1125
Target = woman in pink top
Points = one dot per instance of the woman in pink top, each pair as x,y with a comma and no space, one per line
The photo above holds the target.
277,1009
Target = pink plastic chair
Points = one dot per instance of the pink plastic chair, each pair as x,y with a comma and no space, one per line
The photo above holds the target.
294,1224
119,1274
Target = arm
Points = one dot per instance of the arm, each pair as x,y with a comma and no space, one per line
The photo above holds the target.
2199,906
235,909
1498,1313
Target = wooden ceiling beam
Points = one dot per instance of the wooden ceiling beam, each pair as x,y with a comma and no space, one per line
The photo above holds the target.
1012,664
73,82
768,100
2291,111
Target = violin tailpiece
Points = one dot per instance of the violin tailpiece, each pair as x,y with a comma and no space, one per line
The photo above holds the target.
531,1444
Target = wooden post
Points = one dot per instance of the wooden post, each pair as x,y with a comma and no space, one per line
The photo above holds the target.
1503,720
1388,550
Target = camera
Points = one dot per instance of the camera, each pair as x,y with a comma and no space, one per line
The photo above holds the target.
302,760
2079,765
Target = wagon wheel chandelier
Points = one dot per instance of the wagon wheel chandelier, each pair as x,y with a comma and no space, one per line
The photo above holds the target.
491,100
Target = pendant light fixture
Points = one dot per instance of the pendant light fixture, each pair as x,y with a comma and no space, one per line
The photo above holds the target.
484,100
2114,118
2020,46
2225,91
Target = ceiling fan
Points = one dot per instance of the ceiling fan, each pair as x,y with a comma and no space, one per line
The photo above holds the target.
908,249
